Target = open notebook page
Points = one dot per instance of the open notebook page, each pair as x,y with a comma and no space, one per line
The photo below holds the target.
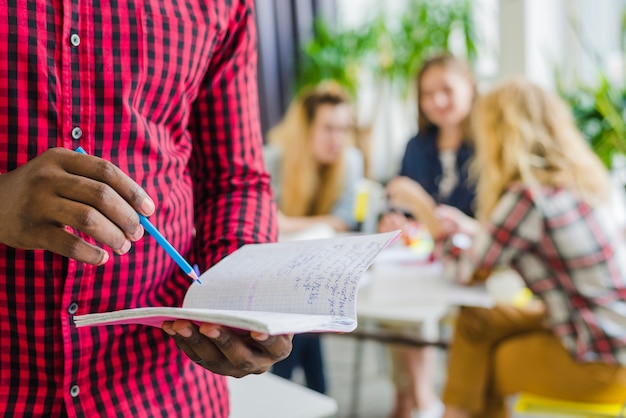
306,277
290,287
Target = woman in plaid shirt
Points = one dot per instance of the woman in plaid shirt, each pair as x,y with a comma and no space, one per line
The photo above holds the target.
544,209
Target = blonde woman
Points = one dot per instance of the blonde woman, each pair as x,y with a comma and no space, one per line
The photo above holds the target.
315,173
314,169
544,209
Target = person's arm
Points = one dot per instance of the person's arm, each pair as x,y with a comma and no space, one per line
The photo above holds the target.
410,196
515,226
233,201
393,219
412,155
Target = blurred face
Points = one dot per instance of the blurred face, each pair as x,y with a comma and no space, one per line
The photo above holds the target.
329,132
446,96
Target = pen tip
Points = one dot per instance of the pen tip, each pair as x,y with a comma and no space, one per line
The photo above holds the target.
194,276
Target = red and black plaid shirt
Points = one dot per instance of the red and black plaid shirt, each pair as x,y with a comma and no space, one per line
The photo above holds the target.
167,91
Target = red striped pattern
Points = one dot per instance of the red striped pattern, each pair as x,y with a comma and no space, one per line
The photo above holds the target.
167,91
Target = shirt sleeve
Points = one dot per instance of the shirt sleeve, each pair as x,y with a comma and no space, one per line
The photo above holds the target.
515,226
233,200
344,208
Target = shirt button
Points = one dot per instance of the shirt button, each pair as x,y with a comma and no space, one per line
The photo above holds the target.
72,308
75,39
77,133
74,391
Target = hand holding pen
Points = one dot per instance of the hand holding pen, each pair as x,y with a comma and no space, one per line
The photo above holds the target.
161,240
62,188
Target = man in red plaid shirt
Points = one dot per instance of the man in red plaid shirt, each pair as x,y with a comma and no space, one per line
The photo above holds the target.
162,94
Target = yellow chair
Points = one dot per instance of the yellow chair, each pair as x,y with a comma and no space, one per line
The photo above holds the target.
540,406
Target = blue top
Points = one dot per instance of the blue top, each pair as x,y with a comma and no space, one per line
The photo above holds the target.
421,163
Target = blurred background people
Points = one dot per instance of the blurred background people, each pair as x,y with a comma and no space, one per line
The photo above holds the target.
545,209
315,173
315,169
434,168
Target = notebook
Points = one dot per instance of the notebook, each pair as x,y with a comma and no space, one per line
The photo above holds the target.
275,288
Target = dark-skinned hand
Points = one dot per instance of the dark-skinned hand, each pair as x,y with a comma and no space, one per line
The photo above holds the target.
227,351
62,188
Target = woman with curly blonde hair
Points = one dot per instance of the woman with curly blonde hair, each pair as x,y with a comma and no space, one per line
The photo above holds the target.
545,210
435,167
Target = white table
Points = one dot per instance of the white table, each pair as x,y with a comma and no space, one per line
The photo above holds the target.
402,290
267,395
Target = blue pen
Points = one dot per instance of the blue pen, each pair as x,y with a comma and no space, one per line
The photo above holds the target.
182,263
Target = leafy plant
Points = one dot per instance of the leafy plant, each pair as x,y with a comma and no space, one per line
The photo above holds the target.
334,55
426,28
393,50
599,109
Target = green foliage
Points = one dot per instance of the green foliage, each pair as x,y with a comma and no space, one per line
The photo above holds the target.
393,50
425,29
599,109
599,116
334,55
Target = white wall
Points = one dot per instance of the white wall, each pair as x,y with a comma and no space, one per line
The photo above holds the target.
600,27
537,37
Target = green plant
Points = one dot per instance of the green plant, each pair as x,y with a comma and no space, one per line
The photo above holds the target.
600,108
426,28
599,114
334,54
388,49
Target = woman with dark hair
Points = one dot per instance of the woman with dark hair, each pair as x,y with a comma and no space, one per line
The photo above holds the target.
434,168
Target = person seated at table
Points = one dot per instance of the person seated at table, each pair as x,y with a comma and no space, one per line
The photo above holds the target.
315,172
434,167
545,209
314,167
